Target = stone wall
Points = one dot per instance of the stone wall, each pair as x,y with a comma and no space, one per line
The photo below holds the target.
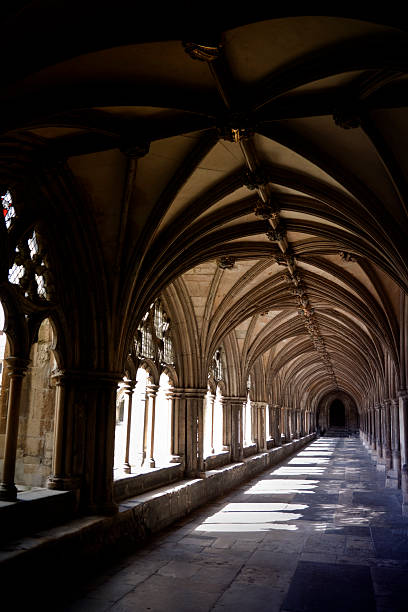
36,427
3,404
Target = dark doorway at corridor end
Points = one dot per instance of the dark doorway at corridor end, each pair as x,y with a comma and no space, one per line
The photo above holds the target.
337,414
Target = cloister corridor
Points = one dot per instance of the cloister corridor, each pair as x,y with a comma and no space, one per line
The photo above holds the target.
318,533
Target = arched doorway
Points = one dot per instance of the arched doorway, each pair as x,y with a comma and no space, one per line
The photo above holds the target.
337,414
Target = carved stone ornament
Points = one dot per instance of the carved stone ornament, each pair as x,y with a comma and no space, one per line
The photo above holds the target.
277,235
236,134
203,53
346,257
226,262
286,260
264,210
253,180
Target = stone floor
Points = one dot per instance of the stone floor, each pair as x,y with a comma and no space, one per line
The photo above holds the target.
319,533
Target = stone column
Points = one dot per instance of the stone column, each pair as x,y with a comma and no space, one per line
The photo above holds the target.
394,475
17,368
371,428
261,427
268,411
254,423
194,399
374,428
226,424
363,428
237,427
210,412
276,425
85,437
286,431
403,421
174,397
291,424
387,457
151,393
379,420
128,392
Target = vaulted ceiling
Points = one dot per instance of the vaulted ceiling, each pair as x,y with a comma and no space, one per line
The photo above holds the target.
259,164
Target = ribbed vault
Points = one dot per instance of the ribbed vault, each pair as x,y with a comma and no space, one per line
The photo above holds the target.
256,177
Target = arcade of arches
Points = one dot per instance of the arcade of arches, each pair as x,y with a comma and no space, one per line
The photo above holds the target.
204,245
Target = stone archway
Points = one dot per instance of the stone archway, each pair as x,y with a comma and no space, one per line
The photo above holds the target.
337,409
337,414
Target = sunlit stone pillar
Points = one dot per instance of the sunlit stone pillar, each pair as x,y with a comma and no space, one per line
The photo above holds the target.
254,423
140,404
210,413
226,424
174,398
363,428
394,474
387,457
371,437
194,399
287,423
261,427
237,442
151,394
373,444
276,425
17,368
403,421
128,392
379,411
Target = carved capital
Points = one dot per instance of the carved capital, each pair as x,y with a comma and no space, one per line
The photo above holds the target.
17,366
226,262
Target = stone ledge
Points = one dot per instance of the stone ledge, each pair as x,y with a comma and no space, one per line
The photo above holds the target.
129,485
35,509
86,543
217,460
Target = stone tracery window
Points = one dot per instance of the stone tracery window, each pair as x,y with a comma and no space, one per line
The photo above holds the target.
28,270
216,369
153,339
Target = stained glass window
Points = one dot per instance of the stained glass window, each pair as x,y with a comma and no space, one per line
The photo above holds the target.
8,208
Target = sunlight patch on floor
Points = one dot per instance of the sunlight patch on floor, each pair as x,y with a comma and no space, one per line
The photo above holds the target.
252,517
297,471
280,486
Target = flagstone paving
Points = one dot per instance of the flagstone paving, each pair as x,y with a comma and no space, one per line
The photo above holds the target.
319,533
